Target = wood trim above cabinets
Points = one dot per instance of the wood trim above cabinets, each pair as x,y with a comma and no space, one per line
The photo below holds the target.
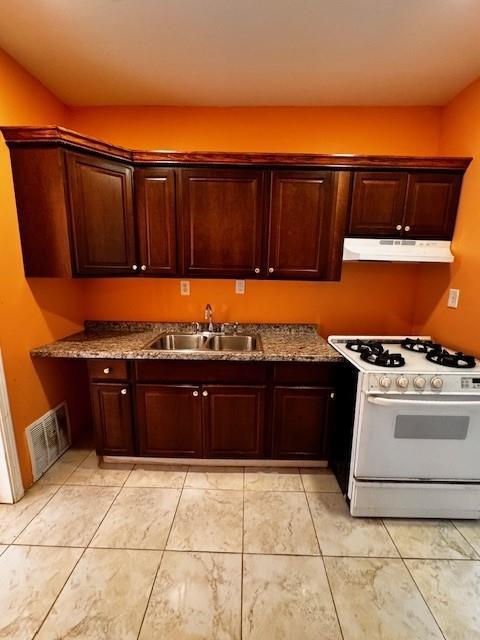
40,136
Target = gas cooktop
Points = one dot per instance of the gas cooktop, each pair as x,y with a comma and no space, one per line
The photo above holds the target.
422,364
375,351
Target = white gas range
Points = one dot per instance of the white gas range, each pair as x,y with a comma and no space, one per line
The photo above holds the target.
416,434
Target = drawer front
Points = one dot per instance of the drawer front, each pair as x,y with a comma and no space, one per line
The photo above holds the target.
300,373
108,370
200,372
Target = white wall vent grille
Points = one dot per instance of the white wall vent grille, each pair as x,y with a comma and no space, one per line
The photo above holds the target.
47,438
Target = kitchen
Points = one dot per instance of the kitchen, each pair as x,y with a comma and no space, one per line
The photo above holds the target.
82,181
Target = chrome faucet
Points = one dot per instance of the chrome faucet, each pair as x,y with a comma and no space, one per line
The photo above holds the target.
209,317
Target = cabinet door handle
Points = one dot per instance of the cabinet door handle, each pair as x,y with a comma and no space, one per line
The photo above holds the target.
398,227
407,228
195,394
107,370
204,394
134,267
332,395
257,270
123,392
143,267
271,270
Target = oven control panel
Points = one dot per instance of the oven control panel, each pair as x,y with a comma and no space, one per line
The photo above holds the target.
421,383
470,383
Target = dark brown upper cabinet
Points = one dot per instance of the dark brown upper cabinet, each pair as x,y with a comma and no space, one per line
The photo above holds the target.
221,214
306,224
156,225
404,204
378,201
431,205
101,210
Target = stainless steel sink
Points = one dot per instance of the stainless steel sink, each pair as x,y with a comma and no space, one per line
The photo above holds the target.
179,342
205,342
233,343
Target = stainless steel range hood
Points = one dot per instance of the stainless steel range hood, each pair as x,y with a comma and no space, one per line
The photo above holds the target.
396,250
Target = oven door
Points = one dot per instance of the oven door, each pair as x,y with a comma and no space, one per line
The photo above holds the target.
427,438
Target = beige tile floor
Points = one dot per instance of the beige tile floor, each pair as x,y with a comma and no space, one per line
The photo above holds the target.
185,553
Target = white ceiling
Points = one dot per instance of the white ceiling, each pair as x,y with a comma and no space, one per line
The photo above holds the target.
246,52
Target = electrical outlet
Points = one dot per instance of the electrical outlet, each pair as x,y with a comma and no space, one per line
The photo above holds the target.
184,287
453,296
240,286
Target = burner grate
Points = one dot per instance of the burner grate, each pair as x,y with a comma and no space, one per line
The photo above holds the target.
457,360
383,358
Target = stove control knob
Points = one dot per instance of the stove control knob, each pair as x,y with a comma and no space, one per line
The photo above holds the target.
385,382
419,382
402,382
436,383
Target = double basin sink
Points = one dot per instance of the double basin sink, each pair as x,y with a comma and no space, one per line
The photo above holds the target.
205,342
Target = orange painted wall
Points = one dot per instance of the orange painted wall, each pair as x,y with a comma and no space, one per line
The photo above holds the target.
460,135
36,311
370,298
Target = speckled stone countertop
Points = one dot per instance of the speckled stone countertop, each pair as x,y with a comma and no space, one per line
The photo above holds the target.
130,341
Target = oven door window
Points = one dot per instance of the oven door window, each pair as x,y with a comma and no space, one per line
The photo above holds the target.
431,427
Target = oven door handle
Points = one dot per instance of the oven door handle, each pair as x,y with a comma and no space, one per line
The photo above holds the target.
389,402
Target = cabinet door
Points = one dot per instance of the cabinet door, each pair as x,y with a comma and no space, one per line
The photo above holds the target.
155,205
307,224
233,418
169,420
221,212
378,201
101,212
112,417
431,206
301,422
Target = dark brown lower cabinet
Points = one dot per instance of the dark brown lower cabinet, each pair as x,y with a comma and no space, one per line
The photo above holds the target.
301,422
112,417
169,420
233,421
182,409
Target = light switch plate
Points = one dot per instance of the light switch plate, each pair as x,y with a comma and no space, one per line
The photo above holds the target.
184,287
240,286
453,296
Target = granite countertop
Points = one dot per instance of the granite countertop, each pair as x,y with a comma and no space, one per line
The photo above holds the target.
128,340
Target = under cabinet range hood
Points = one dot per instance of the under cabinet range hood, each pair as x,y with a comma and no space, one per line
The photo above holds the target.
396,250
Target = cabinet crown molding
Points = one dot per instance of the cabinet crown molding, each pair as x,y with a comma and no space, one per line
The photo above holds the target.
59,136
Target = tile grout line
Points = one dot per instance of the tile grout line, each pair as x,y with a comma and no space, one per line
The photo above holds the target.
423,598
69,475
413,579
163,555
59,486
333,598
150,594
313,524
242,556
467,541
60,591
323,560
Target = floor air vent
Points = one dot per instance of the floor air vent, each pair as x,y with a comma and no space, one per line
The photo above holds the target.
47,438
